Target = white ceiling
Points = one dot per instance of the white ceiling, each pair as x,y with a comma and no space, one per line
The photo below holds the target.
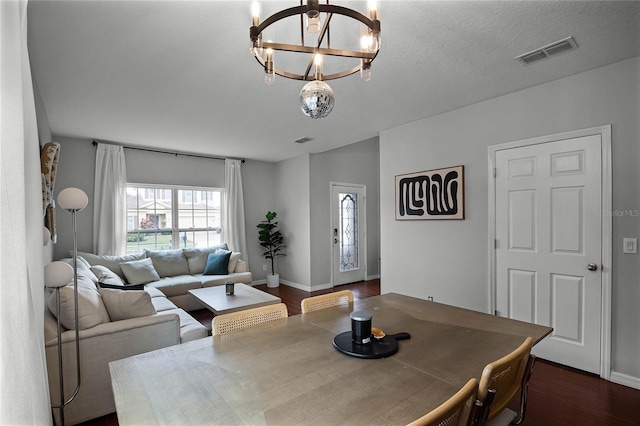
178,75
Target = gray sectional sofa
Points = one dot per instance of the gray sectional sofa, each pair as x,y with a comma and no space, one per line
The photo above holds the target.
118,319
179,271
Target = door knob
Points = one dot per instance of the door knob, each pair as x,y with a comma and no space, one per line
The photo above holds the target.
592,267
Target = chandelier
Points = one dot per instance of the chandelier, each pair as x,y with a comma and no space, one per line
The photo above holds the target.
359,50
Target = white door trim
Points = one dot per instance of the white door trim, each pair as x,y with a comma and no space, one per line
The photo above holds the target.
605,134
364,226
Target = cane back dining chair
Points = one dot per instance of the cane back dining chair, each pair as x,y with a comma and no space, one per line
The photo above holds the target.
456,411
247,318
505,377
322,301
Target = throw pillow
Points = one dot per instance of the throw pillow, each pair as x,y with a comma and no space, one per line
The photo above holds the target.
217,263
91,309
139,271
108,279
168,263
123,305
106,276
197,257
83,268
233,260
111,262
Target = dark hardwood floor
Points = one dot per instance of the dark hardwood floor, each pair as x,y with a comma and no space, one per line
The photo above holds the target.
558,395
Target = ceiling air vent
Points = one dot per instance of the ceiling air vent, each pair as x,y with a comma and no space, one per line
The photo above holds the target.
303,140
548,50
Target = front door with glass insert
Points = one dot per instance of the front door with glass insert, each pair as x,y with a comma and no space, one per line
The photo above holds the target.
348,233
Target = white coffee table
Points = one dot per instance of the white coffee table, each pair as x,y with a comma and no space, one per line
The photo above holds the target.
244,297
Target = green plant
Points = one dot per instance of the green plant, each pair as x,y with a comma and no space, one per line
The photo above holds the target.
270,239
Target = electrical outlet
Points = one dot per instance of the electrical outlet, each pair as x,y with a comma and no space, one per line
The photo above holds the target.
630,245
264,266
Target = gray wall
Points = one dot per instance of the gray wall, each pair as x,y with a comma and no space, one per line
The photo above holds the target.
357,163
448,259
258,179
292,188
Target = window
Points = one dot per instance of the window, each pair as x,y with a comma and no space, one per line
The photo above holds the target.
161,217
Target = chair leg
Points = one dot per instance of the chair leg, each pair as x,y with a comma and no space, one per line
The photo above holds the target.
476,413
482,408
524,390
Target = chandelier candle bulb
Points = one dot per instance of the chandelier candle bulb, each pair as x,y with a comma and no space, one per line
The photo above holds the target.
365,70
313,25
270,76
372,6
255,13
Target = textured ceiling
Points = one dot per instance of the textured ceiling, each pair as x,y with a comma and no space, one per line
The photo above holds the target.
178,75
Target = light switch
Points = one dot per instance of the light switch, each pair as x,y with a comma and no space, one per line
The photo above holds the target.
630,245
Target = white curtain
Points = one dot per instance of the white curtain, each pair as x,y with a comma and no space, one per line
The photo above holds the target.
233,217
109,202
24,396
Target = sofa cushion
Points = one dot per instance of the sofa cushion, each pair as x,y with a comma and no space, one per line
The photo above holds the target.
213,280
139,271
176,286
154,292
197,257
190,329
162,304
123,305
111,262
168,263
91,309
217,263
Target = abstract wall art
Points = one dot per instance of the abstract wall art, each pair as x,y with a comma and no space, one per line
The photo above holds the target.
434,194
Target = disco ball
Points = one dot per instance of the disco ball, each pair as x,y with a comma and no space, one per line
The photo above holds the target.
316,99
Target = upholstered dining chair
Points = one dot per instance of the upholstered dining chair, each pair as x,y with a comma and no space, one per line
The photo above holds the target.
322,301
505,377
247,318
456,411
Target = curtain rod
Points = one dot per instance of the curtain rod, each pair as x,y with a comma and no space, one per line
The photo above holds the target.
176,153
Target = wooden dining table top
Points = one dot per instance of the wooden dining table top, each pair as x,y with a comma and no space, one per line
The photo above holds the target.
288,372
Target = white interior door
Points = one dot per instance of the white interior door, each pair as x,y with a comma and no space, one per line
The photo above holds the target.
348,233
549,245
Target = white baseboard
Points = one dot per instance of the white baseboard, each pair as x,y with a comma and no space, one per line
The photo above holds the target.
626,380
372,277
285,282
321,287
295,285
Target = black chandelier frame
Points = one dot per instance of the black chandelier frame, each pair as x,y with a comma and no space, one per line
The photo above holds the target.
259,45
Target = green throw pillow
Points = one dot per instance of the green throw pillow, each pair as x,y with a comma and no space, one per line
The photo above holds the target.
217,264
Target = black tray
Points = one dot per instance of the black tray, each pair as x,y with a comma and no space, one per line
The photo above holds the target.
377,348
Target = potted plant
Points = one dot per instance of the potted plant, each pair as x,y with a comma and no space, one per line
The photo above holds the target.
271,241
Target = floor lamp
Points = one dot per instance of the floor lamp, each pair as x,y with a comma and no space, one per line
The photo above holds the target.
72,200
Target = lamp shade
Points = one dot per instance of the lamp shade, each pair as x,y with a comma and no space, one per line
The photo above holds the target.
73,199
46,235
57,274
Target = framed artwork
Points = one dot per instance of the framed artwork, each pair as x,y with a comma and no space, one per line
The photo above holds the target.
434,194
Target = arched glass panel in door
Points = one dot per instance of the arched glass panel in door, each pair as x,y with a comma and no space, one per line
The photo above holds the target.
348,231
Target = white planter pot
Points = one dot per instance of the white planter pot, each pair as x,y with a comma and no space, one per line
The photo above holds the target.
273,280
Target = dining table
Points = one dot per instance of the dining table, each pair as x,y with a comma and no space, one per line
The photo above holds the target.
288,372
